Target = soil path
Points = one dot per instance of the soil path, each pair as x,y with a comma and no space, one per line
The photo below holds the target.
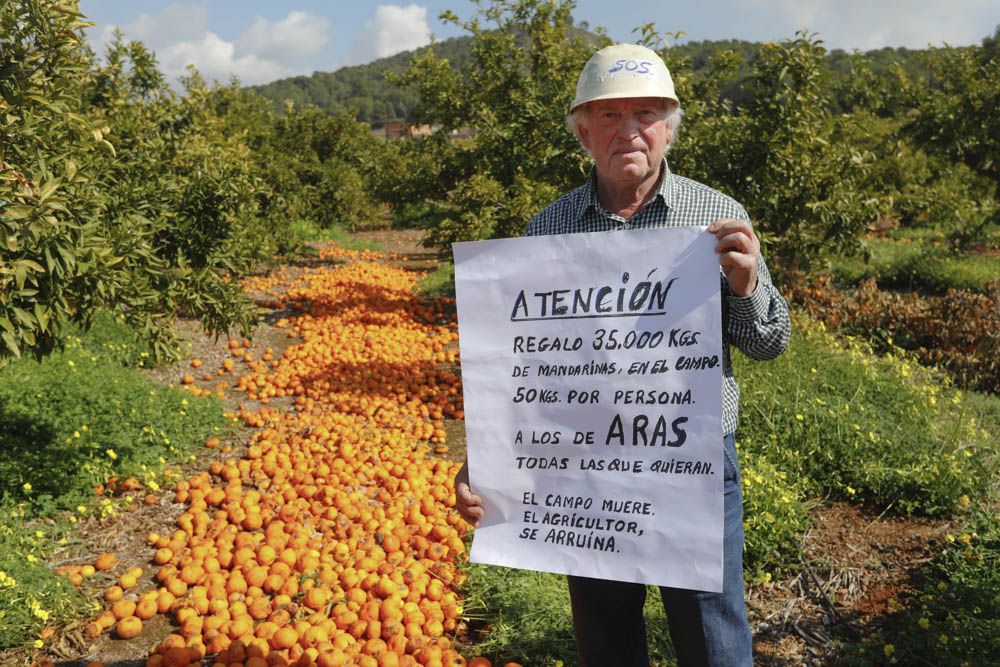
856,568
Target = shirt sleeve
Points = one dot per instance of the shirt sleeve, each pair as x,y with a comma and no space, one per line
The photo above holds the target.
758,325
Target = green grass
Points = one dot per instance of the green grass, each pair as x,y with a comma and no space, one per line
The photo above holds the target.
73,420
308,232
526,617
775,514
69,423
112,341
953,617
31,595
828,419
423,215
848,424
918,263
439,282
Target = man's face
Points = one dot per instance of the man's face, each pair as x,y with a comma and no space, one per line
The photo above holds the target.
627,138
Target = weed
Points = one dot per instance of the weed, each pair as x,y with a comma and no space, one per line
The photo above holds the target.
309,232
439,282
925,264
67,425
953,618
849,424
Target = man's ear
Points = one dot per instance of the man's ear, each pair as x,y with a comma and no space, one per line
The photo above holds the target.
584,136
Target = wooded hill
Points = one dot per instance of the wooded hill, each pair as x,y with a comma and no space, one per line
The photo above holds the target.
369,91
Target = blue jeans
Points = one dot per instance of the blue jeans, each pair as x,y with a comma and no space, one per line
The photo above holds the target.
706,628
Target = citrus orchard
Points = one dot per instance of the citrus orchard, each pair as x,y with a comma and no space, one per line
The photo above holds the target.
333,540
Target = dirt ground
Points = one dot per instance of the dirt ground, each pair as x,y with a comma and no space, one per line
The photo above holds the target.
855,564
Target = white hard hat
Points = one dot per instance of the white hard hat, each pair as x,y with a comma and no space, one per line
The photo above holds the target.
624,70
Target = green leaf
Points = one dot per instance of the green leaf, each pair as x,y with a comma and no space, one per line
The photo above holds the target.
18,211
48,189
42,316
23,316
11,344
67,256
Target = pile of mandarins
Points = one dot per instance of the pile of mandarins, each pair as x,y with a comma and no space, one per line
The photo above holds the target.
333,541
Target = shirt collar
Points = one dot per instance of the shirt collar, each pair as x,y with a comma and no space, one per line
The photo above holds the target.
589,198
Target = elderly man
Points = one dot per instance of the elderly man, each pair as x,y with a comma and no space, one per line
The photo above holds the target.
626,114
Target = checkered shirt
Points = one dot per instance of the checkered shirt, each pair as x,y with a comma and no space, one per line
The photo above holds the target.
758,325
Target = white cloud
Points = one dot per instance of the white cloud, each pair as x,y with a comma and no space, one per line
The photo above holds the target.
393,29
176,23
294,38
215,58
868,24
267,50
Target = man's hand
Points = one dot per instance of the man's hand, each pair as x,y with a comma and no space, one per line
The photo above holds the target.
468,504
739,254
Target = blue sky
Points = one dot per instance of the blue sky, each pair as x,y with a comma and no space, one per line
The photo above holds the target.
261,41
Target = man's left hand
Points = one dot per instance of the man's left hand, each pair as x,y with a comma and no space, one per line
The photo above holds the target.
739,253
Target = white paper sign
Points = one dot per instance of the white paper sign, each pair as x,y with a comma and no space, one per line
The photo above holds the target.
592,372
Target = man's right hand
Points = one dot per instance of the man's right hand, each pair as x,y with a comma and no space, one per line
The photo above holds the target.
468,504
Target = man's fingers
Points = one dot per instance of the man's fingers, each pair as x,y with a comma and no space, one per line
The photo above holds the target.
475,512
468,504
724,226
735,231
471,519
465,494
737,260
735,242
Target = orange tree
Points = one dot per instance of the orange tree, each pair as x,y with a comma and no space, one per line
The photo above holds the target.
113,193
324,162
955,118
55,264
786,157
783,155
956,112
514,94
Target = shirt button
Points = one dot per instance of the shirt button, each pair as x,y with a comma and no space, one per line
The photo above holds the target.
627,225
